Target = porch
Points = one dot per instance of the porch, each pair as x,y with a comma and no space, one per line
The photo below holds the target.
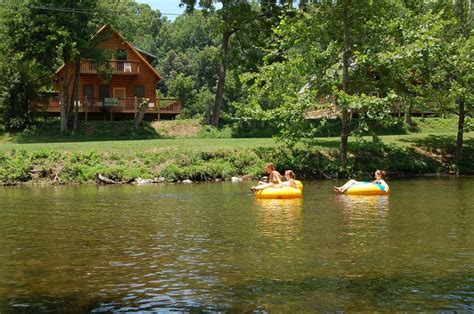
160,107
120,67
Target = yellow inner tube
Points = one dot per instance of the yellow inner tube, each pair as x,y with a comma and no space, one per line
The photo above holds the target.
366,188
281,192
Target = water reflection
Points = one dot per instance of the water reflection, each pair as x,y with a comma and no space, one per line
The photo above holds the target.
287,205
365,228
279,219
364,206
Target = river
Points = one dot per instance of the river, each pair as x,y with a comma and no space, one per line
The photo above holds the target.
214,247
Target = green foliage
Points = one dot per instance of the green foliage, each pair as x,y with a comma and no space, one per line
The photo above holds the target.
188,57
15,167
22,78
135,21
212,132
417,57
310,75
34,42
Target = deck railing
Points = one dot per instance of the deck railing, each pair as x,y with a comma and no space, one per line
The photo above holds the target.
125,105
125,67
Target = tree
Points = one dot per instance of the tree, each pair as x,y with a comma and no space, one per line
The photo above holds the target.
233,16
189,58
456,66
23,77
53,32
325,56
137,22
463,81
413,46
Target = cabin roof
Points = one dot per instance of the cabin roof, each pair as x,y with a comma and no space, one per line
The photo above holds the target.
146,53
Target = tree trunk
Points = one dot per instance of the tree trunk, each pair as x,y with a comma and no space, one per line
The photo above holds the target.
344,135
140,114
345,128
461,101
459,139
75,93
407,117
216,113
208,113
64,100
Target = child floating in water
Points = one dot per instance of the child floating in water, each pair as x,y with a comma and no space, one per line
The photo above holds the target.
379,180
274,178
290,179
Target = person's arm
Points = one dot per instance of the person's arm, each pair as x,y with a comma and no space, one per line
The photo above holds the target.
293,184
385,185
277,175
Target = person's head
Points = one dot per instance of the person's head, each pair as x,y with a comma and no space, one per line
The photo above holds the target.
289,175
269,168
380,174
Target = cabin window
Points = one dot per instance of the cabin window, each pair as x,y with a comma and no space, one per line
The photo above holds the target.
121,56
92,66
104,92
139,91
89,92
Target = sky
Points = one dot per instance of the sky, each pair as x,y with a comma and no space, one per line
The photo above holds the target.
165,6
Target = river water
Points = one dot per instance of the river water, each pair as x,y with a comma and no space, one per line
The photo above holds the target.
214,247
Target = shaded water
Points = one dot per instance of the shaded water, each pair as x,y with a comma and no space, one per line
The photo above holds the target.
214,247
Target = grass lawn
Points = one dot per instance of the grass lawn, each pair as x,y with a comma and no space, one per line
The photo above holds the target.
430,130
204,144
134,146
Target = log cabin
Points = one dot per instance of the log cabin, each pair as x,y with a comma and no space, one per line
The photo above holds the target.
130,83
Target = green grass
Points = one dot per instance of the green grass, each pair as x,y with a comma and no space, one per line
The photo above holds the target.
134,146
119,137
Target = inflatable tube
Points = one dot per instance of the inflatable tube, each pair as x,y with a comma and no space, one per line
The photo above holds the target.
281,192
366,188
299,184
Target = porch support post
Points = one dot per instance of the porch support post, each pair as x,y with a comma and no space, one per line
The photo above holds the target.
158,107
86,106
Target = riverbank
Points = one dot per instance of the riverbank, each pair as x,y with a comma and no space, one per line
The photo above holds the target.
207,160
111,149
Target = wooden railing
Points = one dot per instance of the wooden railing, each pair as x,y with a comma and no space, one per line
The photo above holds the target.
125,105
126,67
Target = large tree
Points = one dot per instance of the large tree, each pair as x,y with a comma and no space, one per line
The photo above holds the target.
137,22
23,78
188,57
413,46
325,55
54,32
462,67
233,16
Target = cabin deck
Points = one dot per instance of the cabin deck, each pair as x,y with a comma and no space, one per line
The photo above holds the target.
161,107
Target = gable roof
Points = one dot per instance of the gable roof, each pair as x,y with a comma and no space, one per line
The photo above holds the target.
135,50
152,56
